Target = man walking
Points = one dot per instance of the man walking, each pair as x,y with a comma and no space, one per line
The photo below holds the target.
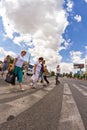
57,74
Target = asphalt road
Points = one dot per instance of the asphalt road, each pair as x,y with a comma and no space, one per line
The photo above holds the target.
62,107
79,91
43,115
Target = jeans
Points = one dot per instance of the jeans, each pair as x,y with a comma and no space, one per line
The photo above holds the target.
57,76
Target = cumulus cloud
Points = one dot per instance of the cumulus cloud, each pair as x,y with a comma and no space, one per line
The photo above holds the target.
23,38
85,1
76,56
86,52
66,67
4,53
43,20
78,18
70,5
66,44
86,47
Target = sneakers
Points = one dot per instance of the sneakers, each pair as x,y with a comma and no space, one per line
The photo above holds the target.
44,84
33,87
31,84
22,89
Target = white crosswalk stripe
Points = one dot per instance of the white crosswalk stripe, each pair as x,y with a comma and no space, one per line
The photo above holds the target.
85,87
70,117
81,90
17,106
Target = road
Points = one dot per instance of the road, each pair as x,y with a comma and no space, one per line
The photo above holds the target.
62,107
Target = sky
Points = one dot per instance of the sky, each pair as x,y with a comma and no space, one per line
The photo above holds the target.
53,29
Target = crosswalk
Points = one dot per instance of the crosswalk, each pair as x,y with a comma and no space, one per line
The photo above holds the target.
17,106
70,118
81,90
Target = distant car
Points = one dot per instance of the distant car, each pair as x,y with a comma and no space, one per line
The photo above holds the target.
30,72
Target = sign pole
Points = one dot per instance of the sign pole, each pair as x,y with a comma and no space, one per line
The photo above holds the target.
29,57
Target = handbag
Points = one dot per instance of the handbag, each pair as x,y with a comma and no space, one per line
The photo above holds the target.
10,78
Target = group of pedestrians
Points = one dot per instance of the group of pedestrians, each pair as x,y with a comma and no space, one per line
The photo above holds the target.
16,67
40,70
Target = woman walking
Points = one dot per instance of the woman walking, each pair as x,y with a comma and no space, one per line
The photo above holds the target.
45,74
5,64
17,66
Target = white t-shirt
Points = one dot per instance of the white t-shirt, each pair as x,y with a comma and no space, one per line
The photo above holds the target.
20,61
38,68
57,70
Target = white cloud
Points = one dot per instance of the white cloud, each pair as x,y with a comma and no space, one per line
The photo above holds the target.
7,23
78,18
86,47
23,38
70,5
66,44
66,67
86,52
44,20
4,53
85,1
76,57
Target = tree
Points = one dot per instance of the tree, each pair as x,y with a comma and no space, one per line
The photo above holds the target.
52,73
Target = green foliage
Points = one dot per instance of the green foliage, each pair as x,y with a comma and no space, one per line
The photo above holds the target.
52,73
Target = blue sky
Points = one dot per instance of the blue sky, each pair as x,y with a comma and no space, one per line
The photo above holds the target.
56,30
77,31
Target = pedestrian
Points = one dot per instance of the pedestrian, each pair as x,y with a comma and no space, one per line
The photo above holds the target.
5,65
57,74
17,67
36,72
45,74
42,72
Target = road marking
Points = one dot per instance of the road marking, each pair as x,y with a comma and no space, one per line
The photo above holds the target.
83,92
48,88
85,87
70,118
19,105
